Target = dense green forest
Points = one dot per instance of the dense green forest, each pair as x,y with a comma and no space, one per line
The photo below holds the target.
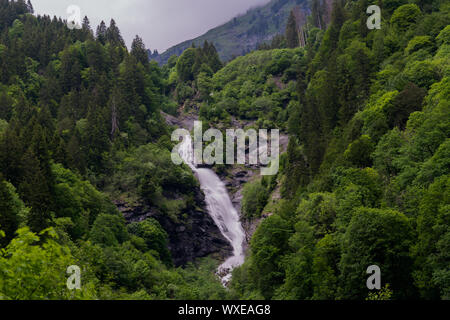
366,176
80,125
365,179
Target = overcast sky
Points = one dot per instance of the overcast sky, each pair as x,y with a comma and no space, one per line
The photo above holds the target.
161,23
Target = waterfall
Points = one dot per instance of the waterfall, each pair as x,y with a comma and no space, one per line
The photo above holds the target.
220,208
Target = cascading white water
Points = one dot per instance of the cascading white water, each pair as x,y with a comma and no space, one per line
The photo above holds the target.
220,209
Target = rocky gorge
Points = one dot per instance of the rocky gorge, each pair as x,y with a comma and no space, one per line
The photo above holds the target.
198,235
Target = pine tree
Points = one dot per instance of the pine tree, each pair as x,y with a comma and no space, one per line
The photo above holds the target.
113,35
297,168
11,208
11,150
34,190
213,57
86,24
138,51
317,14
337,20
97,137
292,32
87,30
30,7
76,158
101,32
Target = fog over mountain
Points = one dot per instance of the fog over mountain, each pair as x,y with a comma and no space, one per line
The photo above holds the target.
161,23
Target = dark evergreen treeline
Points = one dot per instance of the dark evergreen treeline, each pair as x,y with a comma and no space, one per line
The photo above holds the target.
70,98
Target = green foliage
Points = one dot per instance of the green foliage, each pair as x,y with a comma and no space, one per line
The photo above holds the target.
254,200
267,245
319,210
109,230
148,174
380,237
364,181
444,36
17,29
359,151
13,212
417,43
384,294
365,178
258,86
185,64
387,151
78,200
154,236
80,121
194,61
291,32
30,270
431,250
422,73
404,16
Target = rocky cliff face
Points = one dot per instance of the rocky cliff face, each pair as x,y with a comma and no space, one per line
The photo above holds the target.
235,178
196,237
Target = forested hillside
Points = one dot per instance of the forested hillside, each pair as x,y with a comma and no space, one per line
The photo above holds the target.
80,126
365,179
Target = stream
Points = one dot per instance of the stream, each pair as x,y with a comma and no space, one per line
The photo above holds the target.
220,208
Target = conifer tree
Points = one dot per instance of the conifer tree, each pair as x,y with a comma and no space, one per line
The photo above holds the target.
292,32
101,32
30,7
138,51
337,20
97,137
317,14
113,35
86,28
12,211
34,190
86,24
11,150
213,57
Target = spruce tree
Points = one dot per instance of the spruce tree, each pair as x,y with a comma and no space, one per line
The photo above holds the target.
292,32
101,32
138,51
317,14
86,24
113,35
97,137
12,211
34,190
30,7
11,150
86,29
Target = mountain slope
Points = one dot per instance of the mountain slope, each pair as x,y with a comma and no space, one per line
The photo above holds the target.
243,33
